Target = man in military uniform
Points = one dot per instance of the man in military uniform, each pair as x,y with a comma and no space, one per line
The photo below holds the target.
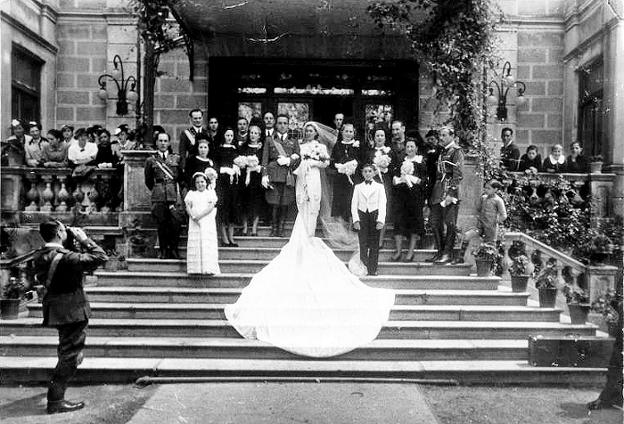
279,158
162,175
187,146
444,200
65,305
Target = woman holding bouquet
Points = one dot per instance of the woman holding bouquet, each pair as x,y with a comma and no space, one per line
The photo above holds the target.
227,187
410,186
197,163
252,193
345,157
380,156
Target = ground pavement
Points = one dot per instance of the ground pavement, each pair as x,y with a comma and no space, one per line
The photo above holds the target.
313,403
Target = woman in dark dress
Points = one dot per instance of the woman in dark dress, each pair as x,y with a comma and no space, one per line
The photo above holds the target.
410,190
198,163
576,162
380,156
252,193
342,153
228,188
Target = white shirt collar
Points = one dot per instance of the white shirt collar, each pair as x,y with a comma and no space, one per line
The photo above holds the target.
51,244
198,129
560,161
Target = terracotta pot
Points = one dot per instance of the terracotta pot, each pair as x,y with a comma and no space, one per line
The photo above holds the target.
578,312
547,298
519,283
595,167
9,308
484,267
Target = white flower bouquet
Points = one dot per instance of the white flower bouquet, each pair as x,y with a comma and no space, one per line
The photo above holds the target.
347,168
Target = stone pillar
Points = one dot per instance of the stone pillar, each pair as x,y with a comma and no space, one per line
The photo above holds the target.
137,203
11,189
469,193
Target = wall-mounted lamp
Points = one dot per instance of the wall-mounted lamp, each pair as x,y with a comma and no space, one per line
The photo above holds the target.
124,97
507,81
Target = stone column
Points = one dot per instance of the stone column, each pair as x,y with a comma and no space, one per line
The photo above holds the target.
137,203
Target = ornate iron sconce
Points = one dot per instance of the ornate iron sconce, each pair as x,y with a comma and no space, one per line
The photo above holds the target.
507,81
124,97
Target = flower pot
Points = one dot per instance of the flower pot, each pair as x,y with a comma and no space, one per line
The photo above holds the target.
9,308
484,267
578,312
519,283
595,167
547,298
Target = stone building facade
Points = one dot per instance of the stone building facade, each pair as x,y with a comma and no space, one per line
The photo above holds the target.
566,52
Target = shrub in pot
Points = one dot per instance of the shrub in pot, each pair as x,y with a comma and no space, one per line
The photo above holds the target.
578,303
595,164
547,282
485,257
519,272
12,295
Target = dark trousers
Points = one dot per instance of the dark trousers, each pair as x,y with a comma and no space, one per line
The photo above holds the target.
71,342
168,221
369,240
439,218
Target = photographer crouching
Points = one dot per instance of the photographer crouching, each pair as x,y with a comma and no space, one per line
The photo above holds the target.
65,305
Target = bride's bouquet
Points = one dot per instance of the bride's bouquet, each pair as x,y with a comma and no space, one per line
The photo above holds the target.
347,168
316,152
253,165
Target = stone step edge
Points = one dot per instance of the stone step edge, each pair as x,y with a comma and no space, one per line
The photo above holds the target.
266,262
144,306
155,323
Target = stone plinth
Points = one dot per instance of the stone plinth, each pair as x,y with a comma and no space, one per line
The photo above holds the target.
470,191
137,203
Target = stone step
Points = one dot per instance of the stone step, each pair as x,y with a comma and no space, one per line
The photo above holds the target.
267,253
253,266
271,242
205,328
181,279
398,313
18,369
176,347
230,295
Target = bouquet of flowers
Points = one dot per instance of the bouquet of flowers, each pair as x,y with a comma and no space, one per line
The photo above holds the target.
241,161
382,161
253,165
212,175
347,168
407,169
316,152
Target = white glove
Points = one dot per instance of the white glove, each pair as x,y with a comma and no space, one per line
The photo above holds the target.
282,161
265,182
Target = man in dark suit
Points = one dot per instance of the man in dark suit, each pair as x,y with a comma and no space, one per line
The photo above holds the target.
162,175
444,199
65,305
280,156
187,146
509,153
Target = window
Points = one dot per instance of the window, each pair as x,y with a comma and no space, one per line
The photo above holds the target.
25,85
591,108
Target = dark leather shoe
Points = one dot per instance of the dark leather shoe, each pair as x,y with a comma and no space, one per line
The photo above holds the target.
60,406
444,259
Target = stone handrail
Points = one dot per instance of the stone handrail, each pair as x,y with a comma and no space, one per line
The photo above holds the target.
20,267
595,279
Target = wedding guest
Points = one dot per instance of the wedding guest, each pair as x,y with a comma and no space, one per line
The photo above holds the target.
509,153
242,126
409,195
380,157
368,207
34,148
105,157
432,151
398,137
338,122
68,135
491,212
576,162
187,147
555,162
279,155
227,187
122,142
214,135
198,163
345,157
83,152
252,193
269,125
531,161
202,249
444,200
54,153
13,148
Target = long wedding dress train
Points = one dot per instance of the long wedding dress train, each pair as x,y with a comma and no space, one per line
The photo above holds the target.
305,300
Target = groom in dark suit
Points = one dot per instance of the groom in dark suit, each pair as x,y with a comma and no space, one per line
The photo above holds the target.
65,305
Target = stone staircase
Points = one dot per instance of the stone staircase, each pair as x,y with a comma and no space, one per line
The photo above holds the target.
152,319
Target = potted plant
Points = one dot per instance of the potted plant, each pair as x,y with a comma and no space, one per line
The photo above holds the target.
578,303
485,257
519,272
546,283
609,305
595,164
12,294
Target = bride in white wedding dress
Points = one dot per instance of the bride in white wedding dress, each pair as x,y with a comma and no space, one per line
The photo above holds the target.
305,300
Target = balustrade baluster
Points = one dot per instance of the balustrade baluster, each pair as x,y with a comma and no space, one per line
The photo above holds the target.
32,196
63,196
47,195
